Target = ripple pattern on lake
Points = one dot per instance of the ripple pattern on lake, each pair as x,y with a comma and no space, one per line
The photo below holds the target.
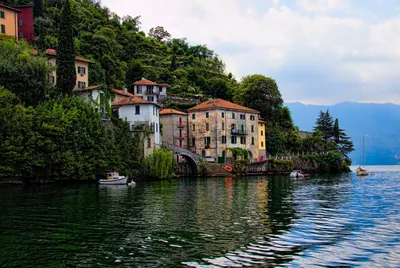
337,220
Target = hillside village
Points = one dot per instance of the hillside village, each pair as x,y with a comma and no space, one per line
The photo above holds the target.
215,129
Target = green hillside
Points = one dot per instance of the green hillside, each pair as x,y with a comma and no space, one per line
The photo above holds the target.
123,53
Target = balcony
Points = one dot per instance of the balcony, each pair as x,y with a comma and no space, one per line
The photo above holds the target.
151,92
181,124
181,136
238,132
207,146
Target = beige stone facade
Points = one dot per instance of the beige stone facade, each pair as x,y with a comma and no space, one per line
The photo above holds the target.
9,21
175,129
217,125
262,142
81,67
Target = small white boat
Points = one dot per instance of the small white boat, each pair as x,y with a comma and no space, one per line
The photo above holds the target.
298,174
113,178
362,171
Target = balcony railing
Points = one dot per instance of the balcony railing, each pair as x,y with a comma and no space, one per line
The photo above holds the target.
238,132
181,136
181,124
151,92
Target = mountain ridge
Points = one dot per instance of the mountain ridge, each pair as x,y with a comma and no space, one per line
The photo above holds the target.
379,123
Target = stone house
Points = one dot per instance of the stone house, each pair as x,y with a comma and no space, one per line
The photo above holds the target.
174,127
217,125
150,90
262,142
81,65
143,117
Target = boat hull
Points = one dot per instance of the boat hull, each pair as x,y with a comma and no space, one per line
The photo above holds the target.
362,173
119,181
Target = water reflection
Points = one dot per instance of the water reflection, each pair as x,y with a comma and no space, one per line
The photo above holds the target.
328,220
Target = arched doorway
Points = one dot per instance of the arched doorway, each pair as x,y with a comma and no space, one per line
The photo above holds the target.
203,153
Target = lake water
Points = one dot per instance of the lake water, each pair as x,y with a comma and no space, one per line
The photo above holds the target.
329,220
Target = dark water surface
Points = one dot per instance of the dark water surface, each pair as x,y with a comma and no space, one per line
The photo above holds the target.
330,220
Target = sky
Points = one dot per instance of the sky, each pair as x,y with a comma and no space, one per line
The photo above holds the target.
318,51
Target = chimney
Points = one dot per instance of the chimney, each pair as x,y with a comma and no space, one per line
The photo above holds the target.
130,99
143,78
125,90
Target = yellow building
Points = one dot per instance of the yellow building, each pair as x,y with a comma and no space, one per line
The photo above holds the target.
262,146
9,21
81,65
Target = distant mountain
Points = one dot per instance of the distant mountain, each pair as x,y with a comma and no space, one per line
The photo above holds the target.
379,123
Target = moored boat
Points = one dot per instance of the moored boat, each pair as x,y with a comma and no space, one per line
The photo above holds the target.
362,171
113,178
298,174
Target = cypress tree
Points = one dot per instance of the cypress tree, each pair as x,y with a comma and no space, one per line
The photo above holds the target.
37,8
66,74
336,131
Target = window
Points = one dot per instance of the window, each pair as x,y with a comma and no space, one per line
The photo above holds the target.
193,116
233,139
252,117
223,115
2,15
262,144
81,70
252,128
194,127
223,126
81,84
148,142
137,109
242,116
207,126
252,140
20,22
154,110
233,116
3,29
194,141
138,90
242,140
20,34
156,127
207,115
207,141
51,79
150,98
223,139
262,133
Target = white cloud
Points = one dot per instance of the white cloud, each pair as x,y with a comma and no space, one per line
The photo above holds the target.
320,57
321,5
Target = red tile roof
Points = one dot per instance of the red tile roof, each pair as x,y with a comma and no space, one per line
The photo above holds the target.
122,92
171,111
213,104
261,121
10,8
129,100
52,52
146,82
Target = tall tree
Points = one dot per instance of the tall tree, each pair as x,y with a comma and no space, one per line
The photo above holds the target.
324,124
336,131
159,33
343,142
261,93
37,8
66,74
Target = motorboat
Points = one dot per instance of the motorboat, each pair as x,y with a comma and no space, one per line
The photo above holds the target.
360,171
113,178
297,173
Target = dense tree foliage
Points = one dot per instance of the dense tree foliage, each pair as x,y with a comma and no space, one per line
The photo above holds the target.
62,139
122,53
23,73
262,94
66,73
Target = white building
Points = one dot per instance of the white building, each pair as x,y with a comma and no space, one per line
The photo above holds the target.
94,95
150,91
143,116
